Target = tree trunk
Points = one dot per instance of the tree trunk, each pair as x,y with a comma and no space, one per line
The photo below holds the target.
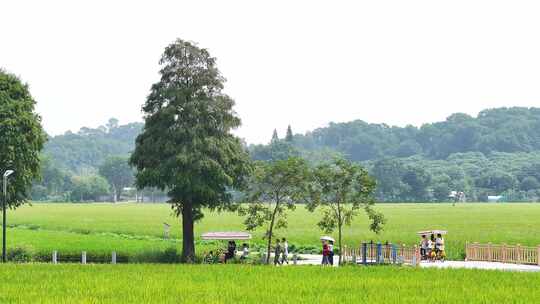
270,231
118,193
339,240
188,238
114,193
340,225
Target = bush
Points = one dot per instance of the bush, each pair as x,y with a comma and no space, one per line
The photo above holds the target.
20,254
170,255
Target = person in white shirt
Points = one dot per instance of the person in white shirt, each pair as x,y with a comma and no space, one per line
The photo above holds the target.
245,252
439,246
424,247
431,247
285,251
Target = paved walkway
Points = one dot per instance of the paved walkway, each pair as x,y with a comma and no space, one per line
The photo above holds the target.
315,259
480,265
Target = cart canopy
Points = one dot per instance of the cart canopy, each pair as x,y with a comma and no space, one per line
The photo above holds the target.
428,232
232,235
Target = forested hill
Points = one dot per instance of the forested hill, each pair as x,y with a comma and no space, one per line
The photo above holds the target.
495,130
88,148
495,153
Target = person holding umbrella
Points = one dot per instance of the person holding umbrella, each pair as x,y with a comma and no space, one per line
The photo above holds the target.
325,253
326,249
331,252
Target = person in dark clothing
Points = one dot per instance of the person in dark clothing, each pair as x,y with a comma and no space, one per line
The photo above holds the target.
277,253
231,249
331,252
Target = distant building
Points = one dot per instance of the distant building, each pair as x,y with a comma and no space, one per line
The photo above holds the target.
494,198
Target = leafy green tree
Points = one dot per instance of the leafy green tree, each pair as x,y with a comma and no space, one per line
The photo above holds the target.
118,173
186,145
341,189
497,180
87,149
112,124
441,192
276,150
53,182
281,150
529,183
21,138
418,180
39,192
289,136
274,188
88,187
389,173
275,137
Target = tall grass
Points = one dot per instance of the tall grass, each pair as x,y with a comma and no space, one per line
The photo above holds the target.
145,283
134,228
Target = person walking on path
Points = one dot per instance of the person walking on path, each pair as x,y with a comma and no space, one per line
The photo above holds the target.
284,251
325,253
277,253
331,253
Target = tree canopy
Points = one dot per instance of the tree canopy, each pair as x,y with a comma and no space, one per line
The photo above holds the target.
274,188
493,130
21,138
186,145
341,188
118,173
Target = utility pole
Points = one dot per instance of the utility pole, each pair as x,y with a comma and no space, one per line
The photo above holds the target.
4,207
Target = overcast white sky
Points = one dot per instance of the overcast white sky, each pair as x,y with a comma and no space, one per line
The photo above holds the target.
303,63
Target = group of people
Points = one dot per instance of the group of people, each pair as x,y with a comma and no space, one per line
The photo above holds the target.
328,253
432,248
229,254
281,252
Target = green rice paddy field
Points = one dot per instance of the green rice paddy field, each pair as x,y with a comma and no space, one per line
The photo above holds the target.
158,283
134,228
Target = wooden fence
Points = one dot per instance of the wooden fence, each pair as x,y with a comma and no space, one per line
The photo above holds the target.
502,253
377,253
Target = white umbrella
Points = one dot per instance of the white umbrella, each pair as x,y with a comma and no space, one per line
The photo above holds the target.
327,238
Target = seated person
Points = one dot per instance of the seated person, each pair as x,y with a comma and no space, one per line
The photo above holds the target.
431,247
245,251
439,246
209,258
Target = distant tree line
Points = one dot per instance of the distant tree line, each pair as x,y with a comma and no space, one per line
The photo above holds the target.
495,130
494,154
90,165
497,153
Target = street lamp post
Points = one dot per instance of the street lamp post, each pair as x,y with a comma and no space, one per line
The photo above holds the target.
4,207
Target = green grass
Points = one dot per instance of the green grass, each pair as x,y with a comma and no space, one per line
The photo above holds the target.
145,283
133,228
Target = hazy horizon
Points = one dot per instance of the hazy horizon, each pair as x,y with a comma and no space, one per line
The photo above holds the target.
303,63
280,130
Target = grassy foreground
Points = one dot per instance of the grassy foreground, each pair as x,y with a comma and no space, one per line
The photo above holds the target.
146,283
132,228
